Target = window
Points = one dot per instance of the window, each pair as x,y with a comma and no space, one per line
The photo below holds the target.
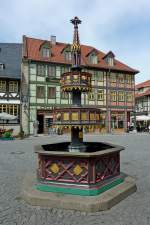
51,92
100,76
13,86
33,69
41,70
46,52
91,96
93,58
100,95
64,95
10,109
2,66
121,96
58,71
113,96
110,61
113,77
128,79
129,97
68,55
121,78
65,69
40,92
2,86
52,71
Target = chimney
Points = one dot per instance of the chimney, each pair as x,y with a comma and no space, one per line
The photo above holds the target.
53,40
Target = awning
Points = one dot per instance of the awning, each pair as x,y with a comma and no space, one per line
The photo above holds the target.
6,116
142,118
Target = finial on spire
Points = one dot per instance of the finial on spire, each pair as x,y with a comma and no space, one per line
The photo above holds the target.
75,21
75,48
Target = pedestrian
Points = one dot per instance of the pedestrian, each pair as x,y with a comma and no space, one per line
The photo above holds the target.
149,128
35,127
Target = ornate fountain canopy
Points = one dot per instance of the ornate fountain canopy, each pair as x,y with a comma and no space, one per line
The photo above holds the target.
76,82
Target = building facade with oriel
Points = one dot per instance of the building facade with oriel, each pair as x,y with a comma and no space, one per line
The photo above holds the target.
113,84
10,74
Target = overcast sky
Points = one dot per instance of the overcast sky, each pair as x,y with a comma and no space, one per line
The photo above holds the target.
122,26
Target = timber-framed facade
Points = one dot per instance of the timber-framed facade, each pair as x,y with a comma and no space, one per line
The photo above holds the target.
113,84
10,74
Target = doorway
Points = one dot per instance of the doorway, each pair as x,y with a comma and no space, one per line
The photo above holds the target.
40,118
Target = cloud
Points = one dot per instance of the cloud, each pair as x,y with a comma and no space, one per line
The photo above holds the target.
118,25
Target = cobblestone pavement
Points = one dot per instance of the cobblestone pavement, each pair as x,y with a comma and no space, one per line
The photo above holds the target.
17,158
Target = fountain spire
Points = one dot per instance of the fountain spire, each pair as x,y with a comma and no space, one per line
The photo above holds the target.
75,47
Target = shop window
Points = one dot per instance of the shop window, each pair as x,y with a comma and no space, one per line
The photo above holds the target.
51,92
13,86
10,109
40,92
15,110
2,86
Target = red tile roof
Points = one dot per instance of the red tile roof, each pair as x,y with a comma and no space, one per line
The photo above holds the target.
32,52
138,95
143,84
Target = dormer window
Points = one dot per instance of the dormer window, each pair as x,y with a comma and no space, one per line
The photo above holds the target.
45,49
110,61
93,58
2,66
68,55
46,52
109,58
66,51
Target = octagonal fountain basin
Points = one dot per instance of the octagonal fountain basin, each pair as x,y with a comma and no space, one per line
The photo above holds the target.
81,173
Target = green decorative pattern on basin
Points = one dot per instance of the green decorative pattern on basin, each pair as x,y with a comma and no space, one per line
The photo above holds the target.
78,191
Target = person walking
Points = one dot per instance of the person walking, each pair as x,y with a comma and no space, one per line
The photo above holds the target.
35,127
149,128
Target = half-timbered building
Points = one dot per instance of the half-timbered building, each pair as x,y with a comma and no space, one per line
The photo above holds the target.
10,73
142,98
113,84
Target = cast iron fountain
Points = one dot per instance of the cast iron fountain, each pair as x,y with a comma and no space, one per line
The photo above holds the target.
77,168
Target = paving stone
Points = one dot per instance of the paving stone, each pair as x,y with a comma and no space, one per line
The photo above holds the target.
134,210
